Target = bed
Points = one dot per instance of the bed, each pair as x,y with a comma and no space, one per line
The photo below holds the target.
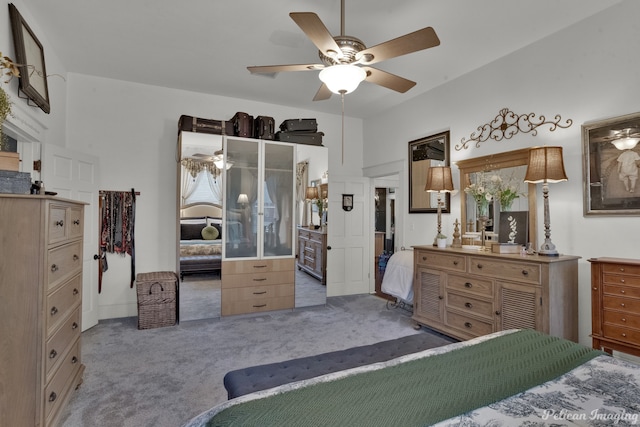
514,377
200,239
398,276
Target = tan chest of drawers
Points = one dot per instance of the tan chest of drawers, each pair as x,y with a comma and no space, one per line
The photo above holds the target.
312,253
253,286
40,308
615,304
466,294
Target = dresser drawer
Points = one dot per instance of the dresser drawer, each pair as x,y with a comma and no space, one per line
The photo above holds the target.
303,234
257,293
469,325
59,342
475,285
257,266
621,304
256,306
62,301
440,260
621,279
75,224
621,268
257,279
63,262
470,305
518,271
620,290
623,319
60,384
57,223
621,333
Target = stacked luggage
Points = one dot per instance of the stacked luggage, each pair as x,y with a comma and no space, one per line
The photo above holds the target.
300,131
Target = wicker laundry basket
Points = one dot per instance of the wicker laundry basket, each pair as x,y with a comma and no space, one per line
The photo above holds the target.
157,299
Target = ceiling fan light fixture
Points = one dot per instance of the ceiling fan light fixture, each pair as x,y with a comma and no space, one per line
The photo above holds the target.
343,78
626,143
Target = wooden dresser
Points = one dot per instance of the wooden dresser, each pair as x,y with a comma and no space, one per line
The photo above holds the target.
252,286
312,252
40,307
615,304
466,294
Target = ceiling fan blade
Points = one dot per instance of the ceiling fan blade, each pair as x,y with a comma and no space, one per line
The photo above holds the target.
323,93
388,80
409,43
313,27
267,69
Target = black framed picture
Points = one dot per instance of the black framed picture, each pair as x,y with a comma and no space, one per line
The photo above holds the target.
30,60
514,227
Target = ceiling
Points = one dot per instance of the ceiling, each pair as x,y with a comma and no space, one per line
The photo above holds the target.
205,46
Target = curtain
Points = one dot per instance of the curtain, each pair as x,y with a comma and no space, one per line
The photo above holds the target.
302,178
214,183
187,186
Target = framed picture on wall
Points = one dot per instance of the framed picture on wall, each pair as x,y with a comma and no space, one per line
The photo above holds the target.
425,153
611,166
30,60
514,227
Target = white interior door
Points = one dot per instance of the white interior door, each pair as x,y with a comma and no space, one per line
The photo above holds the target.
349,236
74,176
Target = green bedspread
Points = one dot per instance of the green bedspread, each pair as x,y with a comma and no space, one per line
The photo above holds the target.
419,392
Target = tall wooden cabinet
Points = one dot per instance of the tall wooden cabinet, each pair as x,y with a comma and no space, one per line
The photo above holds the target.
258,258
40,307
615,304
312,252
466,294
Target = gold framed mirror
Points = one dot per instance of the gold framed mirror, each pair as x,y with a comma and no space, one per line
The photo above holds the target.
510,164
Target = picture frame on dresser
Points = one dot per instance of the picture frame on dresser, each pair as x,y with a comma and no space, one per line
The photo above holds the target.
30,60
611,158
425,153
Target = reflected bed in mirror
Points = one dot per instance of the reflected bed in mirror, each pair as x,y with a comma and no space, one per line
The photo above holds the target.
497,172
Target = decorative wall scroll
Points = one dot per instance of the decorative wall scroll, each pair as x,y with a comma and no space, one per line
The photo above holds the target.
507,124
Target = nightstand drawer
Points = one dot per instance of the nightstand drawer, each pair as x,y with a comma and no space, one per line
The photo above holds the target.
469,325
440,260
621,333
62,301
468,304
483,287
620,290
621,304
627,320
521,272
621,268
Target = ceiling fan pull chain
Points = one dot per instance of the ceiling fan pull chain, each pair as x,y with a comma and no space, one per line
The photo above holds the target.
342,95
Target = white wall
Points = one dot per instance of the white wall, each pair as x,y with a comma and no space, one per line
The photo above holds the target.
133,129
586,72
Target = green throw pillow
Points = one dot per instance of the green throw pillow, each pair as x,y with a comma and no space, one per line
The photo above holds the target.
209,233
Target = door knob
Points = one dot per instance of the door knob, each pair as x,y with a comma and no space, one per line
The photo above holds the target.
328,248
96,257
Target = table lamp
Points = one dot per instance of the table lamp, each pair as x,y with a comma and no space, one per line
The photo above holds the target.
311,194
439,181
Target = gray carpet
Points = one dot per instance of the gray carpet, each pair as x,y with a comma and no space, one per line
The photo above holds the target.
165,376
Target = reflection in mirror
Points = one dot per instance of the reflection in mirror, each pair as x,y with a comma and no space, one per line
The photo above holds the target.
425,153
498,174
200,204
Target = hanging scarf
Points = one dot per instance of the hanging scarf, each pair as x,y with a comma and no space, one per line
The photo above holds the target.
117,225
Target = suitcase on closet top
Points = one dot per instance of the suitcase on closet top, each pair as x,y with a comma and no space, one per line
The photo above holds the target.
264,127
198,125
301,125
308,138
243,124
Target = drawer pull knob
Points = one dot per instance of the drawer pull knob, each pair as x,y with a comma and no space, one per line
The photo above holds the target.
75,257
624,319
440,297
59,223
624,335
479,266
260,306
74,360
260,293
74,325
622,269
468,285
622,304
53,396
467,324
595,288
260,266
54,310
468,305
52,354
497,312
424,258
76,222
525,273
622,291
75,291
622,281
260,280
455,262
54,268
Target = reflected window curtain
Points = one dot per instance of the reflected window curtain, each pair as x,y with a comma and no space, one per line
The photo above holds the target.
302,177
215,183
275,182
188,185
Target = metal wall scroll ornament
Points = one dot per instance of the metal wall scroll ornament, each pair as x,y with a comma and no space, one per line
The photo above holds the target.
507,124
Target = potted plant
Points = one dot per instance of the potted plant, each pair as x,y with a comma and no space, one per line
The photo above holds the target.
441,240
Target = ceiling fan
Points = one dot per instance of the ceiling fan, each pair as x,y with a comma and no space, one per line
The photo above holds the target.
346,60
623,139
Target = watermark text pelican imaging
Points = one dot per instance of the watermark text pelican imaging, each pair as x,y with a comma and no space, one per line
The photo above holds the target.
610,417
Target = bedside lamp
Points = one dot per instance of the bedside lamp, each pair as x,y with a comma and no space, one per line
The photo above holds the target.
545,166
311,194
243,199
439,181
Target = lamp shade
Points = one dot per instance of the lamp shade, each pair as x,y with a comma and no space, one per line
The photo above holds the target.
342,78
625,143
311,193
243,198
439,179
545,165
